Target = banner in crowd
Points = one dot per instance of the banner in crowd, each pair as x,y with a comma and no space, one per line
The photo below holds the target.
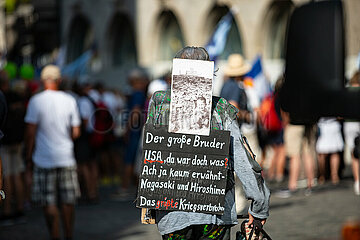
183,172
216,44
261,84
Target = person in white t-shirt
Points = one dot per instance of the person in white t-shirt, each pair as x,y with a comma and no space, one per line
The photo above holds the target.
52,123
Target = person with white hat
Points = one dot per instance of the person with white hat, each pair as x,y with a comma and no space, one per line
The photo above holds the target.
53,122
232,91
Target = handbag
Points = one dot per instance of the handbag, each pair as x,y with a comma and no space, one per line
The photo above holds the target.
256,232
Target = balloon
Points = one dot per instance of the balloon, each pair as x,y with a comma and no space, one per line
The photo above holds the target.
10,5
27,72
11,69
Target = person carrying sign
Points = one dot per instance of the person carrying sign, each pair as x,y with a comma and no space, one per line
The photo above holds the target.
195,225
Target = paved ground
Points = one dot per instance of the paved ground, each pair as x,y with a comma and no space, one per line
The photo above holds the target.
316,217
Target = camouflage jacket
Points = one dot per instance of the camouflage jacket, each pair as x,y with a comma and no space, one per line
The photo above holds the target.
222,112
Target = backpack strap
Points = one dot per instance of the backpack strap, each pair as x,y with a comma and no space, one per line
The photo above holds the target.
91,100
158,110
223,112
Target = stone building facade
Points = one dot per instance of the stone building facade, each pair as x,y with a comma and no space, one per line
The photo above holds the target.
149,32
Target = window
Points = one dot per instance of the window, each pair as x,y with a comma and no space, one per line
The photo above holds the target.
80,38
122,47
171,38
278,17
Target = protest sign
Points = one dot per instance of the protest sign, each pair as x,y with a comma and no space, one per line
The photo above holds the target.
183,172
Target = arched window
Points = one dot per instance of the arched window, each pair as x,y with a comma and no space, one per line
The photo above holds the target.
80,37
233,42
122,46
171,39
277,18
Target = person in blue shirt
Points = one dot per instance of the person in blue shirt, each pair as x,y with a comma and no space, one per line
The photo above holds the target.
233,89
138,80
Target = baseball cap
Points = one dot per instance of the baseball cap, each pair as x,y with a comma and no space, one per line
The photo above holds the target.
50,72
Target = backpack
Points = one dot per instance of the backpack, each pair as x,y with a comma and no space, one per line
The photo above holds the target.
103,125
269,118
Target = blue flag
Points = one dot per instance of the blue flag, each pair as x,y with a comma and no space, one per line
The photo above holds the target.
79,66
218,39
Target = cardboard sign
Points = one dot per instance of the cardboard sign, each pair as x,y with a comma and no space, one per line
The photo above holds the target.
182,172
191,96
147,217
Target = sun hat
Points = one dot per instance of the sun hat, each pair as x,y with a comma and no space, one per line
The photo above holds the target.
236,66
50,73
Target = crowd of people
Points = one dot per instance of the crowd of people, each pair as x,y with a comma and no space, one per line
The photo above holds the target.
86,135
315,150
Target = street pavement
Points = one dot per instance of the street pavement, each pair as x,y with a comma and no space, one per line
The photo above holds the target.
319,216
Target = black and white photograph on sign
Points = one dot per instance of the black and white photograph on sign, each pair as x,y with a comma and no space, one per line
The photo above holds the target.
191,93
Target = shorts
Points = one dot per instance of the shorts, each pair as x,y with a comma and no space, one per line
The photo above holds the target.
276,138
12,160
132,147
262,136
117,145
351,130
201,232
83,151
299,139
55,185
